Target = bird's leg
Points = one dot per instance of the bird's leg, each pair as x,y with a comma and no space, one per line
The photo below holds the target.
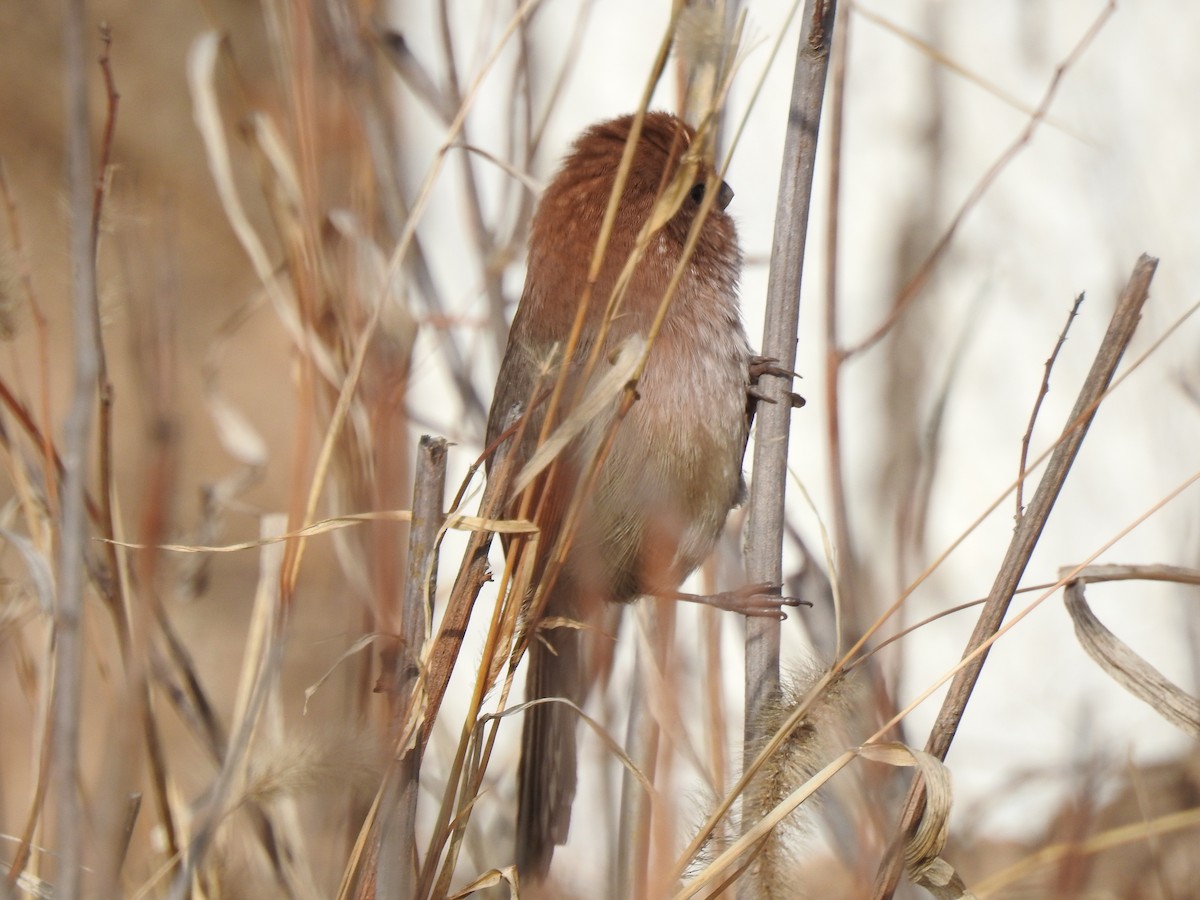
760,599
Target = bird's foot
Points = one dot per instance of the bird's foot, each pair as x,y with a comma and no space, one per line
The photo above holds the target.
760,599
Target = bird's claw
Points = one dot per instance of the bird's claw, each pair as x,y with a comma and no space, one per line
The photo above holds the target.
766,365
755,394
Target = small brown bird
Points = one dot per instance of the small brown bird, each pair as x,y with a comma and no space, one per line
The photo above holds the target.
674,468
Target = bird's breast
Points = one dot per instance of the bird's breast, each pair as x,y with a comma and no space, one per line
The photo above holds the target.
674,469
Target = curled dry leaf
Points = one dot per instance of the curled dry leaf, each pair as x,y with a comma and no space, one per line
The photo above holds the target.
922,854
1122,664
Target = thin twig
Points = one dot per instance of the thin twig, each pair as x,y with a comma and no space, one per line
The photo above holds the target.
930,619
1037,404
1121,327
112,586
155,348
52,467
110,129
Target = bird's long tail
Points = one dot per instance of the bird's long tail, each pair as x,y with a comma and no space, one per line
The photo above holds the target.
547,773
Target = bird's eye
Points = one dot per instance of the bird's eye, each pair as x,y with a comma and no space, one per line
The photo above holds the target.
697,193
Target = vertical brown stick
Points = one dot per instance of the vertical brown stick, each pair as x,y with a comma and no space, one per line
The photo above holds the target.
1029,529
764,529
473,572
396,837
68,614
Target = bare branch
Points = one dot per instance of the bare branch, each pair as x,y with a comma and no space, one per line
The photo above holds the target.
68,613
1037,404
764,527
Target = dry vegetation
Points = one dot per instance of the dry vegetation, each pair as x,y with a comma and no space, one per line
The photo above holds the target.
255,702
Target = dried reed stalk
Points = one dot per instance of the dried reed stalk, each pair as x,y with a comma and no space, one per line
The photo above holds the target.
765,524
72,577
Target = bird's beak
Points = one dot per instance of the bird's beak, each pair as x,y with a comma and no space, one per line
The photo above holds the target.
724,195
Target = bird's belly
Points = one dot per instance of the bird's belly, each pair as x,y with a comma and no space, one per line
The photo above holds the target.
673,472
